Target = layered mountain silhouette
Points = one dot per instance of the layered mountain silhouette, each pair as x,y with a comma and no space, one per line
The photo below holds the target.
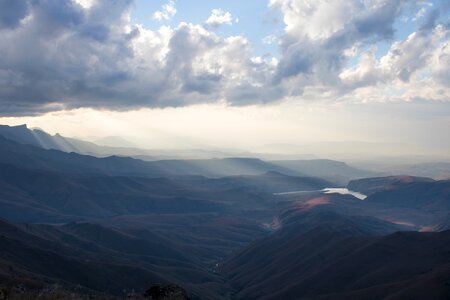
229,228
68,159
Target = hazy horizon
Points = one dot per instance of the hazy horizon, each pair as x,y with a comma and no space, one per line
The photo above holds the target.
242,76
256,129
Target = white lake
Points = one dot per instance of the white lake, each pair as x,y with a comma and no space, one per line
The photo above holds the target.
343,191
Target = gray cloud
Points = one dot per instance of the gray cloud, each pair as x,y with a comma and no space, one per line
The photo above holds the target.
56,54
11,13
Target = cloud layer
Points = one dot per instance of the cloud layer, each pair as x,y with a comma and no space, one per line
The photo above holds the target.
62,54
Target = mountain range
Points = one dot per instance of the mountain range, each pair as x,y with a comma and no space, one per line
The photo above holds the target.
228,228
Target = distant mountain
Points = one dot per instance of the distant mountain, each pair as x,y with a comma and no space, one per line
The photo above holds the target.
225,165
414,201
219,167
114,141
355,150
429,196
113,145
369,186
436,170
332,260
43,196
270,182
33,157
417,203
36,137
331,170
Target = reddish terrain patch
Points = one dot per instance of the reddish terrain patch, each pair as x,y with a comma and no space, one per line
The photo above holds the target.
323,200
399,222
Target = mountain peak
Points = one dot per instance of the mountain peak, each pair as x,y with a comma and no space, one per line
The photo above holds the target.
21,126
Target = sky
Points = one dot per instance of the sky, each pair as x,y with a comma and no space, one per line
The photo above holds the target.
232,74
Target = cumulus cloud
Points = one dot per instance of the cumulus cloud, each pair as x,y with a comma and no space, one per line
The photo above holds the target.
415,68
219,17
63,54
319,32
94,57
321,36
167,11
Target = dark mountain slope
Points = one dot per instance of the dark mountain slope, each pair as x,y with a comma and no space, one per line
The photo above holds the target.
100,258
443,224
301,219
389,267
335,259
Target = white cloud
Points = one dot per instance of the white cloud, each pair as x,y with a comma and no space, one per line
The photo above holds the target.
220,17
418,67
85,3
401,63
167,11
97,57
364,73
322,36
316,19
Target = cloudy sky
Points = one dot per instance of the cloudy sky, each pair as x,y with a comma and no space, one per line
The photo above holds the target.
229,73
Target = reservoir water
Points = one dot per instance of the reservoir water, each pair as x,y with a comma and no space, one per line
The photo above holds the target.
343,191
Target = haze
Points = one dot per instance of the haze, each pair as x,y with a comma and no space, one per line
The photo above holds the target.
260,76
378,129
